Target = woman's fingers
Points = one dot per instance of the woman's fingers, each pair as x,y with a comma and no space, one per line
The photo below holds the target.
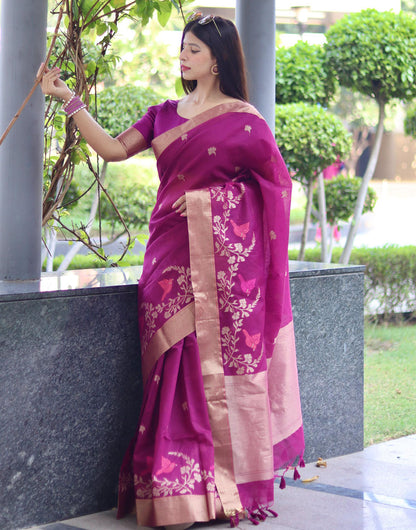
52,84
180,206
40,70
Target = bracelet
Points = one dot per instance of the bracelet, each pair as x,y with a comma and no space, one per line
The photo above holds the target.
74,105
83,106
64,107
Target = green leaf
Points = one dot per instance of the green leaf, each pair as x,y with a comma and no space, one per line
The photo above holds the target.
118,3
179,88
141,6
164,8
142,238
75,10
101,28
86,6
82,234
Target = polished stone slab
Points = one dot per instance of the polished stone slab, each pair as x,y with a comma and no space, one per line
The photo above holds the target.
328,317
70,392
53,284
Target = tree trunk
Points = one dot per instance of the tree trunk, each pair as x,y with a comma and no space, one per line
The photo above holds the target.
76,247
322,218
369,172
51,244
331,242
306,220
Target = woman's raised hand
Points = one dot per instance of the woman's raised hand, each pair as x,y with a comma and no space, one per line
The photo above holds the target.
110,149
52,84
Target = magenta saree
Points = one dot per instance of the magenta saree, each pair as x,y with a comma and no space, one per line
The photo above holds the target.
221,412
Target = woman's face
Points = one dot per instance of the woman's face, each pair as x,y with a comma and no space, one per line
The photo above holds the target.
196,58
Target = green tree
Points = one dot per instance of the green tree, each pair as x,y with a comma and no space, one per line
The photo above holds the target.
145,58
302,75
410,121
310,139
373,53
341,196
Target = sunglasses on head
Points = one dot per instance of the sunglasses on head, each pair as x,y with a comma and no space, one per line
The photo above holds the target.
203,20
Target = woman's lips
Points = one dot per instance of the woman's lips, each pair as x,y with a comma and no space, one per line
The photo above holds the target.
184,68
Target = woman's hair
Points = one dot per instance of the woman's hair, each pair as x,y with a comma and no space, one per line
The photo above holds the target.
221,36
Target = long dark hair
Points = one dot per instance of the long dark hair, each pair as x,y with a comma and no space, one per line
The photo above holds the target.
221,36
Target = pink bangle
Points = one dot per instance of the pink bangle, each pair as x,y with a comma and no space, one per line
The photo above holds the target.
83,106
65,106
74,106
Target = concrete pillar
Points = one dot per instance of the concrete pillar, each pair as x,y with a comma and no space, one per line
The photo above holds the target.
256,23
22,49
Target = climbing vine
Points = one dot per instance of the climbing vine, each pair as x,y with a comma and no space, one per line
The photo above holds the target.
81,48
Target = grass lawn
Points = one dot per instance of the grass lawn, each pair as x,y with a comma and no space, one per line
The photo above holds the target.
389,382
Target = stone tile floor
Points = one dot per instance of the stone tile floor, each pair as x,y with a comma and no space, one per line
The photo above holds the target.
370,490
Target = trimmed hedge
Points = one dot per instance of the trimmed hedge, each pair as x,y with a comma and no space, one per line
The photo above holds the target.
90,261
390,277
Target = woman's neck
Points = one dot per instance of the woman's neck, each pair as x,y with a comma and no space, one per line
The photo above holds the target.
205,94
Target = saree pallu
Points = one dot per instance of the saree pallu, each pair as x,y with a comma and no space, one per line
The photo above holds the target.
221,413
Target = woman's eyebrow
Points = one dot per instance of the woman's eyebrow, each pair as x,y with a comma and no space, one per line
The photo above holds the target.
192,44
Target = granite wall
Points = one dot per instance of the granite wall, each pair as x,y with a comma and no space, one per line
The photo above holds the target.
70,385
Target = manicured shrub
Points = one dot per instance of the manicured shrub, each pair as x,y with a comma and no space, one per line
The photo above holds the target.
341,196
90,261
390,276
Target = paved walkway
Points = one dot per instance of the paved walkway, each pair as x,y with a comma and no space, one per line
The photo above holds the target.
394,216
371,490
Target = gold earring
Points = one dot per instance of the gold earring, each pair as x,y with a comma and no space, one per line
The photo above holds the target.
214,69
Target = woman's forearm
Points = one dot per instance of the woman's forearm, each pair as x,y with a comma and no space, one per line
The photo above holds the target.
110,149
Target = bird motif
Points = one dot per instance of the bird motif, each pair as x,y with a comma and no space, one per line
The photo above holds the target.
247,285
240,230
167,467
166,285
252,340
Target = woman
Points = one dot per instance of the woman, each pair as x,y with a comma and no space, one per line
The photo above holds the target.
221,411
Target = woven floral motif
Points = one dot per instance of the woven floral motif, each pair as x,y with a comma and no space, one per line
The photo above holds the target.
175,292
180,475
234,243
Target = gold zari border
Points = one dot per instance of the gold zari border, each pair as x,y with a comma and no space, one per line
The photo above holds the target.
201,243
175,509
161,142
173,330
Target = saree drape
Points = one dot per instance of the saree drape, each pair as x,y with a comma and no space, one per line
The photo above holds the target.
221,413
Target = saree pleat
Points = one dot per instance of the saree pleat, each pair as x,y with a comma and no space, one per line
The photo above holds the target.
221,411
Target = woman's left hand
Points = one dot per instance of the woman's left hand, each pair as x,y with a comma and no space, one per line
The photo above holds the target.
180,206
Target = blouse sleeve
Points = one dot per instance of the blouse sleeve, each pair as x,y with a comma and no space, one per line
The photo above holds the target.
139,136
